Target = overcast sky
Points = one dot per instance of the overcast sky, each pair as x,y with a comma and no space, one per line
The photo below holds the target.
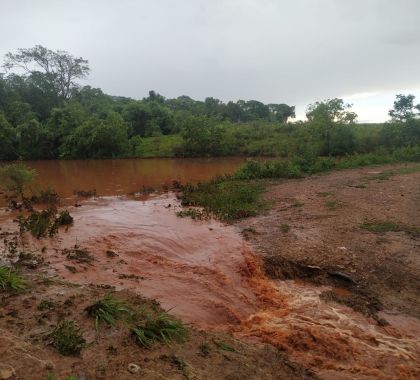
280,51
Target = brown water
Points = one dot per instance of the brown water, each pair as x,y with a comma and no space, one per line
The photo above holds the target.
118,177
208,275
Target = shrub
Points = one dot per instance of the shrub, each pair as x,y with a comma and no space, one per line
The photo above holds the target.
67,338
45,222
15,177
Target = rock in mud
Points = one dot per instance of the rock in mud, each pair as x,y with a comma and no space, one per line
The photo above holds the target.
133,368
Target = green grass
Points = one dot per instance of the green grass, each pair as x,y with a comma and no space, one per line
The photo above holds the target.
387,226
285,227
161,328
298,167
331,205
67,338
223,346
381,227
238,196
45,305
159,146
108,310
226,198
324,194
10,280
387,174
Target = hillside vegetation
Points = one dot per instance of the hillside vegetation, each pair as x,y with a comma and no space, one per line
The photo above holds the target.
46,114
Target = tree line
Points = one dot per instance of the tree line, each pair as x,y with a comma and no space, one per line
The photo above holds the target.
46,114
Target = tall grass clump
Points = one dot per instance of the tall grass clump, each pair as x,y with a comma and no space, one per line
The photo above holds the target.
161,328
108,310
10,280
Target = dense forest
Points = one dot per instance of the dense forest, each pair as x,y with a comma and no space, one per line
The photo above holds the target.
46,114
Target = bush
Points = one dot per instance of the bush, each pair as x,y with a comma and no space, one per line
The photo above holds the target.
67,338
15,177
44,223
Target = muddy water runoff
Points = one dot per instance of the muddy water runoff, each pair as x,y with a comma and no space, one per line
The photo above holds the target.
209,276
119,177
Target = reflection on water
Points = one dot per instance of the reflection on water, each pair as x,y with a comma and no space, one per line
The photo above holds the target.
115,177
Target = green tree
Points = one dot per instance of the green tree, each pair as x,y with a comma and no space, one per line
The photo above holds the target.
57,69
202,136
34,141
282,112
7,139
97,138
327,118
404,108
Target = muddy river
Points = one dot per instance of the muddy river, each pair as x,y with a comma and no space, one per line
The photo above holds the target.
119,177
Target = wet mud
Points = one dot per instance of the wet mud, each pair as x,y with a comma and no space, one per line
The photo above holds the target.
206,273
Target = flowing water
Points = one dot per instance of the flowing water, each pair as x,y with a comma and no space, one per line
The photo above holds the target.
208,275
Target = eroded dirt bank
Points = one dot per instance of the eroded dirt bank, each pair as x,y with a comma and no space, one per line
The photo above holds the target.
207,274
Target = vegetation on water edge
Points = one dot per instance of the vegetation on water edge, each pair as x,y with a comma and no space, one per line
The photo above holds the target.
44,223
16,177
238,196
225,197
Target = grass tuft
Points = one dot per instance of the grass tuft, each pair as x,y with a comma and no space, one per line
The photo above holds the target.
162,328
108,310
67,338
386,226
381,227
285,227
10,280
223,346
331,205
46,305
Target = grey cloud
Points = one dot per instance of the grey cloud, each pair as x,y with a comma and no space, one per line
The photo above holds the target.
293,51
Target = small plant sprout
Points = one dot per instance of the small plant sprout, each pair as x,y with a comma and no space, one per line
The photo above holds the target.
285,227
